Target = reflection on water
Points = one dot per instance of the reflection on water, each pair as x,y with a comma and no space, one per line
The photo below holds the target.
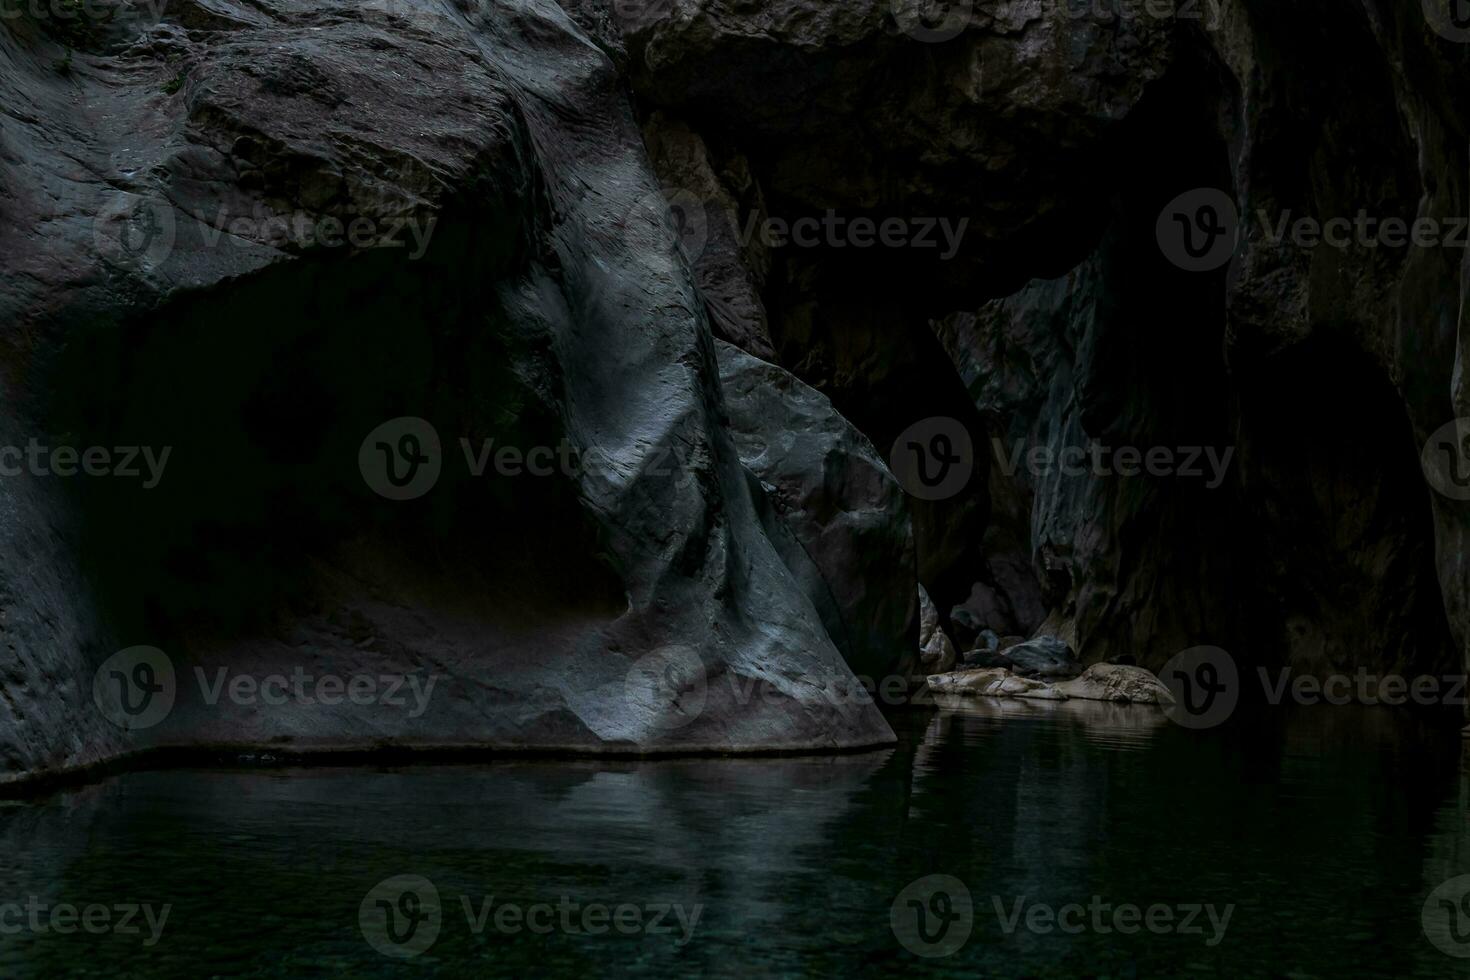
1325,829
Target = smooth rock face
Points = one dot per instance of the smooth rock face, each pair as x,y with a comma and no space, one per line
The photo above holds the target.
545,306
847,517
936,652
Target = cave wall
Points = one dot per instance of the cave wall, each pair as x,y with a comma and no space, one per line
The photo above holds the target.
592,171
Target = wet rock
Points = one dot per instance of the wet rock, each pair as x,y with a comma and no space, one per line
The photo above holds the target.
995,682
1115,682
1100,682
502,281
936,652
986,653
966,626
852,545
1044,656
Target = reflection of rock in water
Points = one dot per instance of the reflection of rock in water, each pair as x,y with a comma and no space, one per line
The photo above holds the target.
1101,721
746,839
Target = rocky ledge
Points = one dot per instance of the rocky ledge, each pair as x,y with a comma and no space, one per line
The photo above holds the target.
1100,682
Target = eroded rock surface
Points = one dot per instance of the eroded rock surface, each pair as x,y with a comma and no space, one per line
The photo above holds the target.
936,652
545,308
1100,682
850,542
255,234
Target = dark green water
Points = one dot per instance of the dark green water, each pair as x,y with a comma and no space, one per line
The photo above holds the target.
1324,830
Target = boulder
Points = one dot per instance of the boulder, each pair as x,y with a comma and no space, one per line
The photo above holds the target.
851,543
1100,682
1043,656
996,682
936,652
1116,682
281,238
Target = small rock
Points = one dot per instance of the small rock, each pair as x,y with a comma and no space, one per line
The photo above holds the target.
966,624
936,653
986,652
1044,656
